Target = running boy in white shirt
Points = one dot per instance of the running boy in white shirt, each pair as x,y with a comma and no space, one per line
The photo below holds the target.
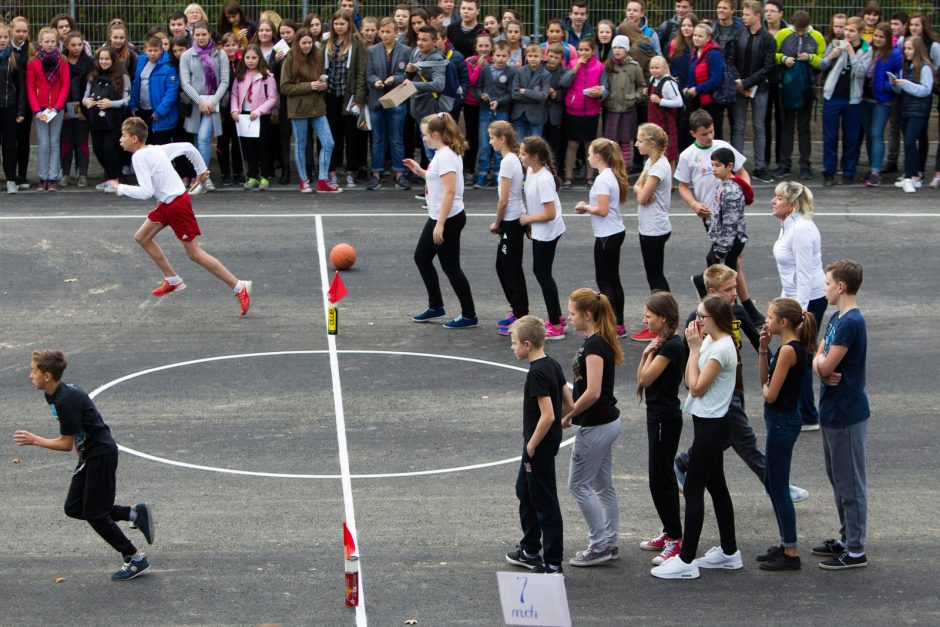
158,179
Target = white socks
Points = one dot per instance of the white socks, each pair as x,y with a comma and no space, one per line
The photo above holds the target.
173,280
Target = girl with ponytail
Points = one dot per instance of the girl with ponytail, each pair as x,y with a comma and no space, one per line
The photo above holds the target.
659,375
543,217
653,197
782,376
593,408
608,192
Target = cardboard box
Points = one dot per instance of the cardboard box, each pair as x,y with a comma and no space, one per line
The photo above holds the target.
397,96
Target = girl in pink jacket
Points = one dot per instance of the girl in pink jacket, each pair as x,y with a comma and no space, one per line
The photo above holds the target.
586,84
254,96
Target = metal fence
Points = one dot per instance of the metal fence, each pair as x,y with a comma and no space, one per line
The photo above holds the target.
141,15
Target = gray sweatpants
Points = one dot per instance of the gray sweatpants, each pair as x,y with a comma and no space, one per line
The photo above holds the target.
590,480
844,451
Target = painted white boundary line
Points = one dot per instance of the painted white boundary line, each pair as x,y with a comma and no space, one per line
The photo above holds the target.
361,620
265,216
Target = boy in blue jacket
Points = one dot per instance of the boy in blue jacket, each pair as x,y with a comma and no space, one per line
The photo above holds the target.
155,93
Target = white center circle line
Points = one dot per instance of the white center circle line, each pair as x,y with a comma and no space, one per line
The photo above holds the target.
280,475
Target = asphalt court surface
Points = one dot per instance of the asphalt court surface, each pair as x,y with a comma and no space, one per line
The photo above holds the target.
257,540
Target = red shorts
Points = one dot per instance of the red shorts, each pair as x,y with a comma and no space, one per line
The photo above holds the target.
179,216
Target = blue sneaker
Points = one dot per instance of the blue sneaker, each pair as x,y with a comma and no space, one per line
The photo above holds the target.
680,476
131,569
507,321
144,522
504,331
460,322
429,314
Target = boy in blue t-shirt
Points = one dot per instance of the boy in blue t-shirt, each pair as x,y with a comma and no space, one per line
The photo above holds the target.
843,415
91,493
539,511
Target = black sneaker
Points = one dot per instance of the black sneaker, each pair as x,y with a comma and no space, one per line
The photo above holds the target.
782,562
843,561
889,168
763,175
771,553
782,171
828,181
829,548
847,180
806,174
226,180
374,183
402,183
521,558
549,569
144,522
131,569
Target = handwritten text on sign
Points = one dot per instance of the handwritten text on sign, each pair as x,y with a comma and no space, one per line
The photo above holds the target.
533,599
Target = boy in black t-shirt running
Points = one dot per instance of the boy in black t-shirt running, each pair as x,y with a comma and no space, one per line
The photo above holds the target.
539,511
91,493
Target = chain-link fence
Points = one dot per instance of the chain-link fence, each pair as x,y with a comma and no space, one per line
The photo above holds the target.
140,15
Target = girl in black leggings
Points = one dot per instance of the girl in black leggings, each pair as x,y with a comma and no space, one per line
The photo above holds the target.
710,377
659,375
441,234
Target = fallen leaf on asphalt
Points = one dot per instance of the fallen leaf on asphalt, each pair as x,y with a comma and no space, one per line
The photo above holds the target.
71,280
411,621
58,579
17,460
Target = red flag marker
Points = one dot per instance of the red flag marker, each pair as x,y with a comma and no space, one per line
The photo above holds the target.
349,545
337,289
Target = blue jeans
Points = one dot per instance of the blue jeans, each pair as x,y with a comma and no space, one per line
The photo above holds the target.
322,128
387,127
486,154
783,428
806,404
874,119
48,135
836,111
204,138
524,128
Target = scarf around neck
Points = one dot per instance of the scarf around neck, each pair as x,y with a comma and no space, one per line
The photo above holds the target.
50,64
208,66
5,53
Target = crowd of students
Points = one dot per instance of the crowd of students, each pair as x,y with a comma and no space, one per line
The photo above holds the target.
251,85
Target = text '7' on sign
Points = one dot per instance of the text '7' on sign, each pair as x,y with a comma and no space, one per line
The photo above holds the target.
533,599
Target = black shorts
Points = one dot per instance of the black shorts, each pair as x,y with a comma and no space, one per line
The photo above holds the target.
91,493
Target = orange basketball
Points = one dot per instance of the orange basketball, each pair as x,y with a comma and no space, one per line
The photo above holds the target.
343,256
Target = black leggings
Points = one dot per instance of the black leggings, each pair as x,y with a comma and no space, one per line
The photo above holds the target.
543,256
448,254
344,130
23,130
257,151
107,151
706,471
227,149
74,141
471,120
653,250
663,433
729,258
8,129
509,266
284,129
607,270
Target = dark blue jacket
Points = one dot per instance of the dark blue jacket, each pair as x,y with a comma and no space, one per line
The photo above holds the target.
164,92
880,85
572,38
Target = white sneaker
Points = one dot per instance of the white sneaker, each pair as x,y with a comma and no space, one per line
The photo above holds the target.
716,558
209,186
197,189
935,183
908,186
797,494
12,187
675,568
350,181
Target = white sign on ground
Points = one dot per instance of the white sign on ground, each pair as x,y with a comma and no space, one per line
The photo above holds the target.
533,599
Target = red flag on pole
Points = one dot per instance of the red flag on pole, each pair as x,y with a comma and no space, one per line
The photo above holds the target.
349,545
337,290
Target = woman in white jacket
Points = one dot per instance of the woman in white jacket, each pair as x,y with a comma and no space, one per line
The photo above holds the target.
798,253
204,77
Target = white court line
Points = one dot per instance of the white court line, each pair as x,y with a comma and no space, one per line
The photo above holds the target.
361,620
265,216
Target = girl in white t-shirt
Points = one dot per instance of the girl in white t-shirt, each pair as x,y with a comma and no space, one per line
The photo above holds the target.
543,217
608,192
509,208
653,197
441,234
710,376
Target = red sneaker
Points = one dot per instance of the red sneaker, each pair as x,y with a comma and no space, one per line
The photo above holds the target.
672,548
324,187
305,186
244,296
644,335
165,288
655,544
